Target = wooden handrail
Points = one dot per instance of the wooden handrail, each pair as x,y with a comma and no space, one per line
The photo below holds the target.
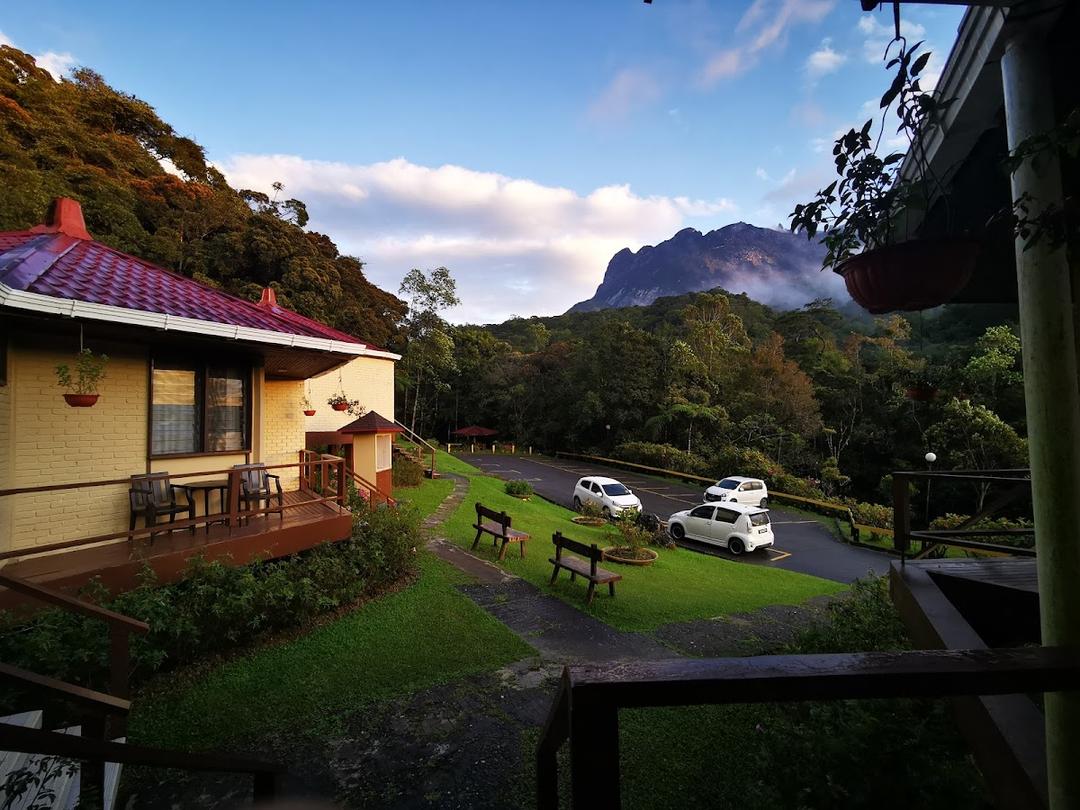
588,714
359,479
91,698
71,604
412,435
39,741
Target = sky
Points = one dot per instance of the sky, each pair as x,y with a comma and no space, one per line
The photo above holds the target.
520,144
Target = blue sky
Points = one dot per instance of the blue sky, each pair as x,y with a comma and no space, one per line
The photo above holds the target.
520,143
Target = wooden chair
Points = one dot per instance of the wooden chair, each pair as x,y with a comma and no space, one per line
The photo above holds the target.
255,489
151,495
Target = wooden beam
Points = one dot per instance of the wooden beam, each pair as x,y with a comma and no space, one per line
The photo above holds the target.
77,694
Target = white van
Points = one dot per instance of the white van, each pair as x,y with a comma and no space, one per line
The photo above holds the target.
739,489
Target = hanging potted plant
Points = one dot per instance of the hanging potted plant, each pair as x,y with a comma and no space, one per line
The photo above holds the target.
863,215
339,402
308,409
83,385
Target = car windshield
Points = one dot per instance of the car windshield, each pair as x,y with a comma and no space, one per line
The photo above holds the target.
615,489
727,483
759,519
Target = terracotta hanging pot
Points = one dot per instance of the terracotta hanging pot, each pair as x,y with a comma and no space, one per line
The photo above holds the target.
921,392
910,276
309,412
340,406
81,400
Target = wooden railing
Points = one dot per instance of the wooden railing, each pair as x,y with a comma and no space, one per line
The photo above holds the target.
108,711
323,479
586,708
420,442
230,516
1018,484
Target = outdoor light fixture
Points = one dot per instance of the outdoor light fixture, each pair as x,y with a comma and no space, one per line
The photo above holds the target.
930,458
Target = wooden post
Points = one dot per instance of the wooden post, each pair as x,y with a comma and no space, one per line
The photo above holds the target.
493,448
119,674
323,477
513,449
530,449
234,499
594,755
1048,335
341,483
901,497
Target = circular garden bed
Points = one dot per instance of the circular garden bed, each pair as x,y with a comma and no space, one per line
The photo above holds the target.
631,556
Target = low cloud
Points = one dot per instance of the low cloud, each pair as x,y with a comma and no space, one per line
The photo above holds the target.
514,245
58,64
878,35
824,61
629,90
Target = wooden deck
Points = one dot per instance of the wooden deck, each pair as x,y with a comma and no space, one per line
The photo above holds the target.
119,563
981,604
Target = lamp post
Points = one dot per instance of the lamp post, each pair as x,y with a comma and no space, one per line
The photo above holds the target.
930,458
608,436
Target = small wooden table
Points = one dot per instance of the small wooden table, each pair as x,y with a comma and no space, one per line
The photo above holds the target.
206,487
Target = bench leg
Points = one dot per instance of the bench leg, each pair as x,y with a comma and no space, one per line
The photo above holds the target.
476,542
522,544
573,576
611,588
592,593
554,575
502,551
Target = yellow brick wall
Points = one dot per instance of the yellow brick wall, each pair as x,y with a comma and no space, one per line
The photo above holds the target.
281,427
52,443
367,379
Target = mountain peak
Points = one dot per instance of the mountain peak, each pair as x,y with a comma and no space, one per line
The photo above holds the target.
772,266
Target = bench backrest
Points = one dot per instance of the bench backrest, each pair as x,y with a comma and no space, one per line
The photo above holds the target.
501,518
151,488
253,477
591,552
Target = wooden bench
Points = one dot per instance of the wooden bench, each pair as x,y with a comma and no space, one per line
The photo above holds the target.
587,567
497,524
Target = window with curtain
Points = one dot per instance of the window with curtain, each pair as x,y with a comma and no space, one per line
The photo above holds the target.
199,408
383,455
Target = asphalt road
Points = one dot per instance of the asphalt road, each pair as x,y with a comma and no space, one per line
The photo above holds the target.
802,544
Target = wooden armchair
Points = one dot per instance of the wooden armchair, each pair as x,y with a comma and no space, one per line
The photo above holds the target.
152,496
255,488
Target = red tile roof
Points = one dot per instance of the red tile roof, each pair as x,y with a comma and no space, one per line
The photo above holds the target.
371,422
55,260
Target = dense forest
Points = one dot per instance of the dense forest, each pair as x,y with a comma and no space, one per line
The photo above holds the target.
81,138
818,402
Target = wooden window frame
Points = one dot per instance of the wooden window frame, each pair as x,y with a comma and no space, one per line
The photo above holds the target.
202,366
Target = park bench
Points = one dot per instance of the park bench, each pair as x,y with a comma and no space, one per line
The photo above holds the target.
587,567
497,524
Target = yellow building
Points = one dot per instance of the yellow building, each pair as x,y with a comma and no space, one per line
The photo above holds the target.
196,381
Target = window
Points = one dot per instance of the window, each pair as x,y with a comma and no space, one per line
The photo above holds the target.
199,408
727,483
615,490
759,519
596,488
585,482
383,452
726,515
702,512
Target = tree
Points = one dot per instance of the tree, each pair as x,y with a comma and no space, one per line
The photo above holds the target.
995,364
429,353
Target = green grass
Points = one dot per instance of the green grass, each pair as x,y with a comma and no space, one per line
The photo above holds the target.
425,498
424,635
682,585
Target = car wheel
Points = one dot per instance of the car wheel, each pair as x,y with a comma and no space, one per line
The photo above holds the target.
577,504
764,503
677,531
736,546
606,512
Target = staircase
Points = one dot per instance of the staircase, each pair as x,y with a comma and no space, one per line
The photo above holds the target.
43,781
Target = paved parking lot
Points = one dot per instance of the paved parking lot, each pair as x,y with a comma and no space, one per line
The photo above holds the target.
802,544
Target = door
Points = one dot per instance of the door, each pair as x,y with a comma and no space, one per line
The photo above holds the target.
724,525
699,523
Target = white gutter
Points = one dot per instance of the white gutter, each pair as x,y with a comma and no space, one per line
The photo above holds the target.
47,304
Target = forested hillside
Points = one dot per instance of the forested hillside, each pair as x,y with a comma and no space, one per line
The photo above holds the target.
83,139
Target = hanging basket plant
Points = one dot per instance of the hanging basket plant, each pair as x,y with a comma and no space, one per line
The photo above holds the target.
339,402
864,215
82,382
305,402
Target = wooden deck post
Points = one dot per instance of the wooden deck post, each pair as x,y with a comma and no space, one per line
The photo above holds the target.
1051,393
341,483
901,494
234,499
594,755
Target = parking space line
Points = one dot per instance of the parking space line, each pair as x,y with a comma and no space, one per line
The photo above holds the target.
780,555
790,522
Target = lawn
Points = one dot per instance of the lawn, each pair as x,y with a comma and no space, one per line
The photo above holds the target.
425,498
425,635
682,585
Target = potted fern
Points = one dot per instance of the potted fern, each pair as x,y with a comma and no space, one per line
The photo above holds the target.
82,386
863,215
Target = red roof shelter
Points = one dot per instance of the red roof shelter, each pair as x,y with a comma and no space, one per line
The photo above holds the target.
474,432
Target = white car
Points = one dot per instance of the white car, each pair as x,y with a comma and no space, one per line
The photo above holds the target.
733,526
611,496
739,489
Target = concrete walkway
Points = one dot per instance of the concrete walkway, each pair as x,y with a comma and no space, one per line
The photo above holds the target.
560,633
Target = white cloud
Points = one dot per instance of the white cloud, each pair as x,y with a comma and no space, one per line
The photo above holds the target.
878,35
58,64
513,244
629,90
764,24
763,175
824,61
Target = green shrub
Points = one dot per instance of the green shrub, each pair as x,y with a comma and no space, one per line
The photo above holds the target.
519,489
871,514
589,509
951,521
793,485
407,473
217,608
663,456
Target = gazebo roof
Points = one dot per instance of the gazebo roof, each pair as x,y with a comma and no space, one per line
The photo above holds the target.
372,422
475,431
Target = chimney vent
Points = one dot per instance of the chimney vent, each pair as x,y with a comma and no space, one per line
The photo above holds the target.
65,216
269,298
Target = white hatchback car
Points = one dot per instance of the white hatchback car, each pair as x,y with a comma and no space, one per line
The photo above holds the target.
611,496
733,526
739,489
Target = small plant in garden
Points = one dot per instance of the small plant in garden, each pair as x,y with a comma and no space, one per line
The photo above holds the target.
519,489
88,373
635,538
589,509
407,473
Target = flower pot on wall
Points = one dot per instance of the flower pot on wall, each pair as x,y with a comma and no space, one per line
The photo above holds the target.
309,412
340,406
910,276
81,400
